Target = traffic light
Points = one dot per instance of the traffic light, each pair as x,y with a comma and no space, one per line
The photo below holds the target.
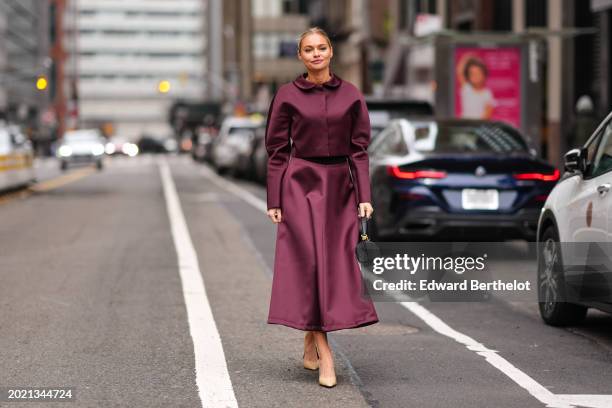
163,86
41,83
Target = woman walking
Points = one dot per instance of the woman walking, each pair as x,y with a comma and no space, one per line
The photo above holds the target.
317,135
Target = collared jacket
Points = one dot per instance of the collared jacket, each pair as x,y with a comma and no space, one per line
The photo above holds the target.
310,120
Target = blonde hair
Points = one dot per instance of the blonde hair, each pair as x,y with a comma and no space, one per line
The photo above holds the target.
312,30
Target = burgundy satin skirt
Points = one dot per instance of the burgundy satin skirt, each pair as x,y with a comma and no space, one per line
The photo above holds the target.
317,281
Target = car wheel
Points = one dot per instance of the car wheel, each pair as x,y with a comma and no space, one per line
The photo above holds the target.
99,165
551,284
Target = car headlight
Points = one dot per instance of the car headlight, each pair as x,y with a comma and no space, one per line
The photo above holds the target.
170,145
130,149
110,148
65,151
97,150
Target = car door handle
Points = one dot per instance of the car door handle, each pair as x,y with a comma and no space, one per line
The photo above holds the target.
603,189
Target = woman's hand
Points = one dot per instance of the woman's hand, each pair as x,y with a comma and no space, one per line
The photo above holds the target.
365,210
275,215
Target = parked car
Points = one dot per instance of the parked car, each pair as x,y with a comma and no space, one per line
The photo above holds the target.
232,148
152,144
118,145
259,158
202,147
16,158
575,233
456,178
382,111
253,165
82,146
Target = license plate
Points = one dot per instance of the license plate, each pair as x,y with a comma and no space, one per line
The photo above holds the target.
479,199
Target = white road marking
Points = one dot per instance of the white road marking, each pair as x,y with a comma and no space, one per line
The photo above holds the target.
237,190
519,377
212,377
503,365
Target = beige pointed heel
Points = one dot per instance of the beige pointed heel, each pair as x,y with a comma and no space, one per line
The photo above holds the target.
328,382
311,364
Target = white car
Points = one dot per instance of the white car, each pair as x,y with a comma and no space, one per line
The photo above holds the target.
16,158
82,146
234,143
575,234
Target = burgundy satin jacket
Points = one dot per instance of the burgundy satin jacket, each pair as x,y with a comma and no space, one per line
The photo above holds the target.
321,120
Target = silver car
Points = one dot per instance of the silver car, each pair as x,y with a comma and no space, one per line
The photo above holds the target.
233,145
81,146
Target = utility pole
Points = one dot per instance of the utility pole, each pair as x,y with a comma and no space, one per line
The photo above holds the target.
215,54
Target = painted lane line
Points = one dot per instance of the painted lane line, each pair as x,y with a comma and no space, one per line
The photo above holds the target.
45,186
242,193
62,180
519,377
212,377
503,365
491,356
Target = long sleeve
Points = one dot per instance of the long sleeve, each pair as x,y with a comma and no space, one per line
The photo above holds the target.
359,159
278,147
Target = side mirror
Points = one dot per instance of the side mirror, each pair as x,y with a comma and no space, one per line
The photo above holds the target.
574,161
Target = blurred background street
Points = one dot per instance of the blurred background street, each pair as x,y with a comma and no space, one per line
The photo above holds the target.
136,255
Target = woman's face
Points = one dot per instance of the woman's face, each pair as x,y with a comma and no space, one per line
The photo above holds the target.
315,53
476,76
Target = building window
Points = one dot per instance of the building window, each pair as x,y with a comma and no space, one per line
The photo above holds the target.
535,13
502,15
426,6
289,7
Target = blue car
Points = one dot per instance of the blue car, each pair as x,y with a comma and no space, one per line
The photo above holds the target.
456,179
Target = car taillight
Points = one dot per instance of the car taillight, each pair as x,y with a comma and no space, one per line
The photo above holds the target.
396,172
540,198
538,176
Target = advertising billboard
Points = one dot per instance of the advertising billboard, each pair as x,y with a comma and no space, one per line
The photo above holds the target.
487,83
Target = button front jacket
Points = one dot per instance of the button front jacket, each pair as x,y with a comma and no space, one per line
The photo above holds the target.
310,120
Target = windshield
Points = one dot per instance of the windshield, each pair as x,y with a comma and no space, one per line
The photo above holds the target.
241,131
81,137
492,138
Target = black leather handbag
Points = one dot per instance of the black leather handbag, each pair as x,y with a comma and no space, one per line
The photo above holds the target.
365,250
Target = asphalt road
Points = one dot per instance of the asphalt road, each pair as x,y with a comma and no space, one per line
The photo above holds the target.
102,292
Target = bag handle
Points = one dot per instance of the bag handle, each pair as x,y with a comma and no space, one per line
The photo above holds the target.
364,228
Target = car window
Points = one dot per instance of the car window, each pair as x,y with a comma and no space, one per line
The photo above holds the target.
601,161
375,145
392,143
81,137
477,138
590,149
375,131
